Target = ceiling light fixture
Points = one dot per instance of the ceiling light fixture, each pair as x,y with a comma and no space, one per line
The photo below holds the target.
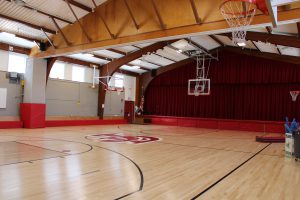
241,44
8,34
89,55
136,67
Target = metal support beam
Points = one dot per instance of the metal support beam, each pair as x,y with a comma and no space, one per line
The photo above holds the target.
27,24
298,27
34,9
79,5
284,40
194,7
216,40
161,23
74,14
131,15
61,32
107,27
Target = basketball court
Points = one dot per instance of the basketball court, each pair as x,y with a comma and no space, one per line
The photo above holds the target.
129,99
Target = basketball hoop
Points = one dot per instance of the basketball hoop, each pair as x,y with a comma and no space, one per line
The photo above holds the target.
238,14
294,95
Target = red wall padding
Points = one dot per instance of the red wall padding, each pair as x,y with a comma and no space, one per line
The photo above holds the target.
224,124
10,124
243,88
57,123
33,115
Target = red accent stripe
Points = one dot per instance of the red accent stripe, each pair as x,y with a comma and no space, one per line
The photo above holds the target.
10,124
57,123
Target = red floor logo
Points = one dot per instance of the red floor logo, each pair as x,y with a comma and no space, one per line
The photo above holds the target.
122,138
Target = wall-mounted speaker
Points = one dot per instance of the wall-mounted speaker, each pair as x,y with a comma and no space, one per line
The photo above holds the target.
43,46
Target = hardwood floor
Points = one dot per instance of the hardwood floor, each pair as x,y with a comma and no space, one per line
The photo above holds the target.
186,163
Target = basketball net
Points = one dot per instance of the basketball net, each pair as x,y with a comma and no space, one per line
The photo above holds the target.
239,15
294,95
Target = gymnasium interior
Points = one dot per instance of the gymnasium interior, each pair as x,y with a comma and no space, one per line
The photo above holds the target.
149,99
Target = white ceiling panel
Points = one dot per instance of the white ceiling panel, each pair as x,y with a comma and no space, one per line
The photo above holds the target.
87,58
266,47
168,55
174,53
58,8
225,40
286,29
127,49
18,12
183,45
206,42
90,4
142,45
290,51
157,59
259,29
144,64
250,45
20,29
16,41
109,54
132,69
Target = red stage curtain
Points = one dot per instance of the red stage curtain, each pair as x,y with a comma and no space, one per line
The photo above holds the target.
242,87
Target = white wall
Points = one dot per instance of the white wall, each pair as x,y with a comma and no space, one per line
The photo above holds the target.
3,60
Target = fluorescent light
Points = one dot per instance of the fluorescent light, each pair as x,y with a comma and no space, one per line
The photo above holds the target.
8,34
136,67
241,44
89,55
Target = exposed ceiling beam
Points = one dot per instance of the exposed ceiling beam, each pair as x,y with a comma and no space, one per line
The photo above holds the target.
101,57
216,40
77,19
161,22
129,73
178,23
61,32
27,24
12,48
34,9
131,15
117,51
152,63
165,57
79,5
76,61
271,56
107,27
194,7
283,40
257,48
141,67
156,54
298,27
116,64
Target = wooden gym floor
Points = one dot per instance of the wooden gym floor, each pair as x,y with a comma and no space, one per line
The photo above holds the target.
187,163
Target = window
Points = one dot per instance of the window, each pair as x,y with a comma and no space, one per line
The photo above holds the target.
58,71
16,63
119,81
78,74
